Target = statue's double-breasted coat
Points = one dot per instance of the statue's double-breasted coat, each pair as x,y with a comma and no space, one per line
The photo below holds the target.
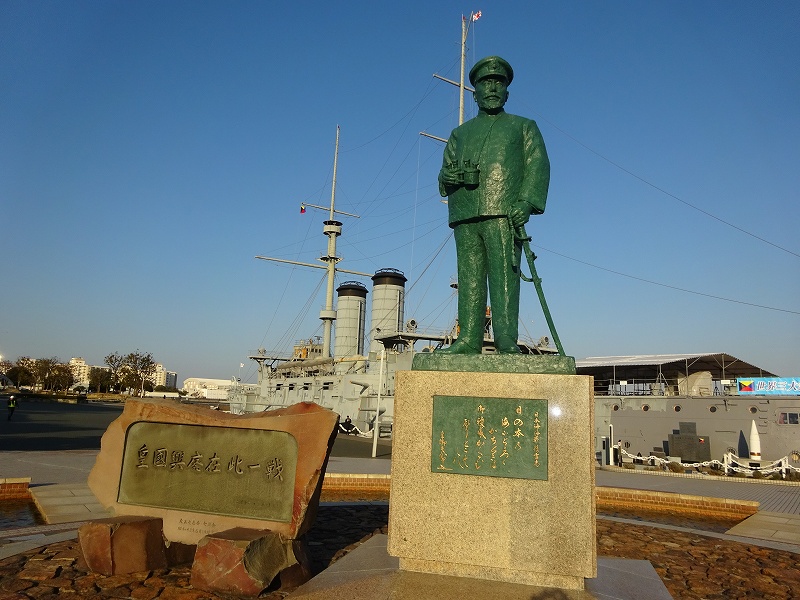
513,168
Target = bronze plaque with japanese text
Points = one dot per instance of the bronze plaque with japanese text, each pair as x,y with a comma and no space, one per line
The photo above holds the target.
494,437
217,470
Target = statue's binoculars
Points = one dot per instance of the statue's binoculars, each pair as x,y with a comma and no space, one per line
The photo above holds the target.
466,173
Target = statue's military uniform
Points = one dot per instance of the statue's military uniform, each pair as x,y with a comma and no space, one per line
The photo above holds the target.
513,167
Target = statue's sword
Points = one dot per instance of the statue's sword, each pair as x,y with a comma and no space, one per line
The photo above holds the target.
523,239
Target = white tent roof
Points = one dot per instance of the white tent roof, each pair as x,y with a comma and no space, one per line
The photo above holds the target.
718,363
641,359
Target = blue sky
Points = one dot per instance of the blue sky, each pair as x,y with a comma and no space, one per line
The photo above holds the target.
151,149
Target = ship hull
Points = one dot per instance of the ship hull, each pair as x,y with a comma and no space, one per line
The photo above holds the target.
699,428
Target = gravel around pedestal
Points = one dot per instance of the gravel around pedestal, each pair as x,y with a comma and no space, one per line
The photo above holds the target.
692,566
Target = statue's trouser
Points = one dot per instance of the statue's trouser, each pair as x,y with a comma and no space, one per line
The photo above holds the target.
485,250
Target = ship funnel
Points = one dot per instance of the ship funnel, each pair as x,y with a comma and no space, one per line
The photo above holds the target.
388,299
350,317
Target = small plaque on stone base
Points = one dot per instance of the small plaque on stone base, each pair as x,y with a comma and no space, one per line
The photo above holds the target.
489,437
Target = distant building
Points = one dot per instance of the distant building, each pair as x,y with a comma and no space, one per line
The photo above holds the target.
170,395
80,371
213,389
163,377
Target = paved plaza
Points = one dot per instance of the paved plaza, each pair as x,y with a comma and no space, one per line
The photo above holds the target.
58,482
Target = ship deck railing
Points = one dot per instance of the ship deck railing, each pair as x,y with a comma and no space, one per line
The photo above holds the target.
663,387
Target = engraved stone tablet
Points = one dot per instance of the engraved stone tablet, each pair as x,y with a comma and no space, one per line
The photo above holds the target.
203,471
217,470
493,437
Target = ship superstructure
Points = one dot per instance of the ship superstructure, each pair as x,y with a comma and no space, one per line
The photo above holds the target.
337,373
349,381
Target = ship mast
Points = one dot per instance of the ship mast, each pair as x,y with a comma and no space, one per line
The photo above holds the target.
332,229
462,88
464,29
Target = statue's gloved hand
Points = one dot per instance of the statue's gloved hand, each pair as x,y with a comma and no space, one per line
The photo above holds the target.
449,177
519,214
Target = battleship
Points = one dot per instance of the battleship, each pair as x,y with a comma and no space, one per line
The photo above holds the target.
338,371
691,407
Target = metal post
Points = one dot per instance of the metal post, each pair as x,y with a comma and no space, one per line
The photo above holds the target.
611,444
376,428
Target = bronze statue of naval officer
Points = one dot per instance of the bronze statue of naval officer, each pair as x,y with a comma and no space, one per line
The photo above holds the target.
495,174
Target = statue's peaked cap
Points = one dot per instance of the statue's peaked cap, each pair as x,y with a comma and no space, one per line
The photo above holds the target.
491,65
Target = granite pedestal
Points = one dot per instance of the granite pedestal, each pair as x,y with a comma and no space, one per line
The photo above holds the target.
457,510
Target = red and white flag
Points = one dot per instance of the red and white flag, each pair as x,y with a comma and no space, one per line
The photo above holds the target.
476,16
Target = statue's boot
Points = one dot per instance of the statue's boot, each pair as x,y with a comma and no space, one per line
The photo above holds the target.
470,336
505,330
504,345
460,346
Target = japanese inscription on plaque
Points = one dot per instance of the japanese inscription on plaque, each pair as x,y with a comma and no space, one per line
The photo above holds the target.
217,470
494,437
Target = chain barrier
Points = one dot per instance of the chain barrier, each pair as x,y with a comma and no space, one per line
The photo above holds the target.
731,463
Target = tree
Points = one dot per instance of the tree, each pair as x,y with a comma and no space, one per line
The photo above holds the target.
61,377
142,367
99,379
127,379
42,371
115,362
17,376
22,372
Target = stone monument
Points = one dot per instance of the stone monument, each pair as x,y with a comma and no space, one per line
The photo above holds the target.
492,460
233,493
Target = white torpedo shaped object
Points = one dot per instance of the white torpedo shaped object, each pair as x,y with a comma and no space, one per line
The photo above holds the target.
755,442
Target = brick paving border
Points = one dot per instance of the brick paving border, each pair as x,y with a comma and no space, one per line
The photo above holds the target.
631,499
608,498
14,487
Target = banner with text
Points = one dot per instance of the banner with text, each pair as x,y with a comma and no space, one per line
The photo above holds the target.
773,386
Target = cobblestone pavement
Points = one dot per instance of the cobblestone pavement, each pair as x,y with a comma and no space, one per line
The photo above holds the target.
692,566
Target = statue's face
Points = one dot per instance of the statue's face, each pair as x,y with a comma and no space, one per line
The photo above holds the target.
491,94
